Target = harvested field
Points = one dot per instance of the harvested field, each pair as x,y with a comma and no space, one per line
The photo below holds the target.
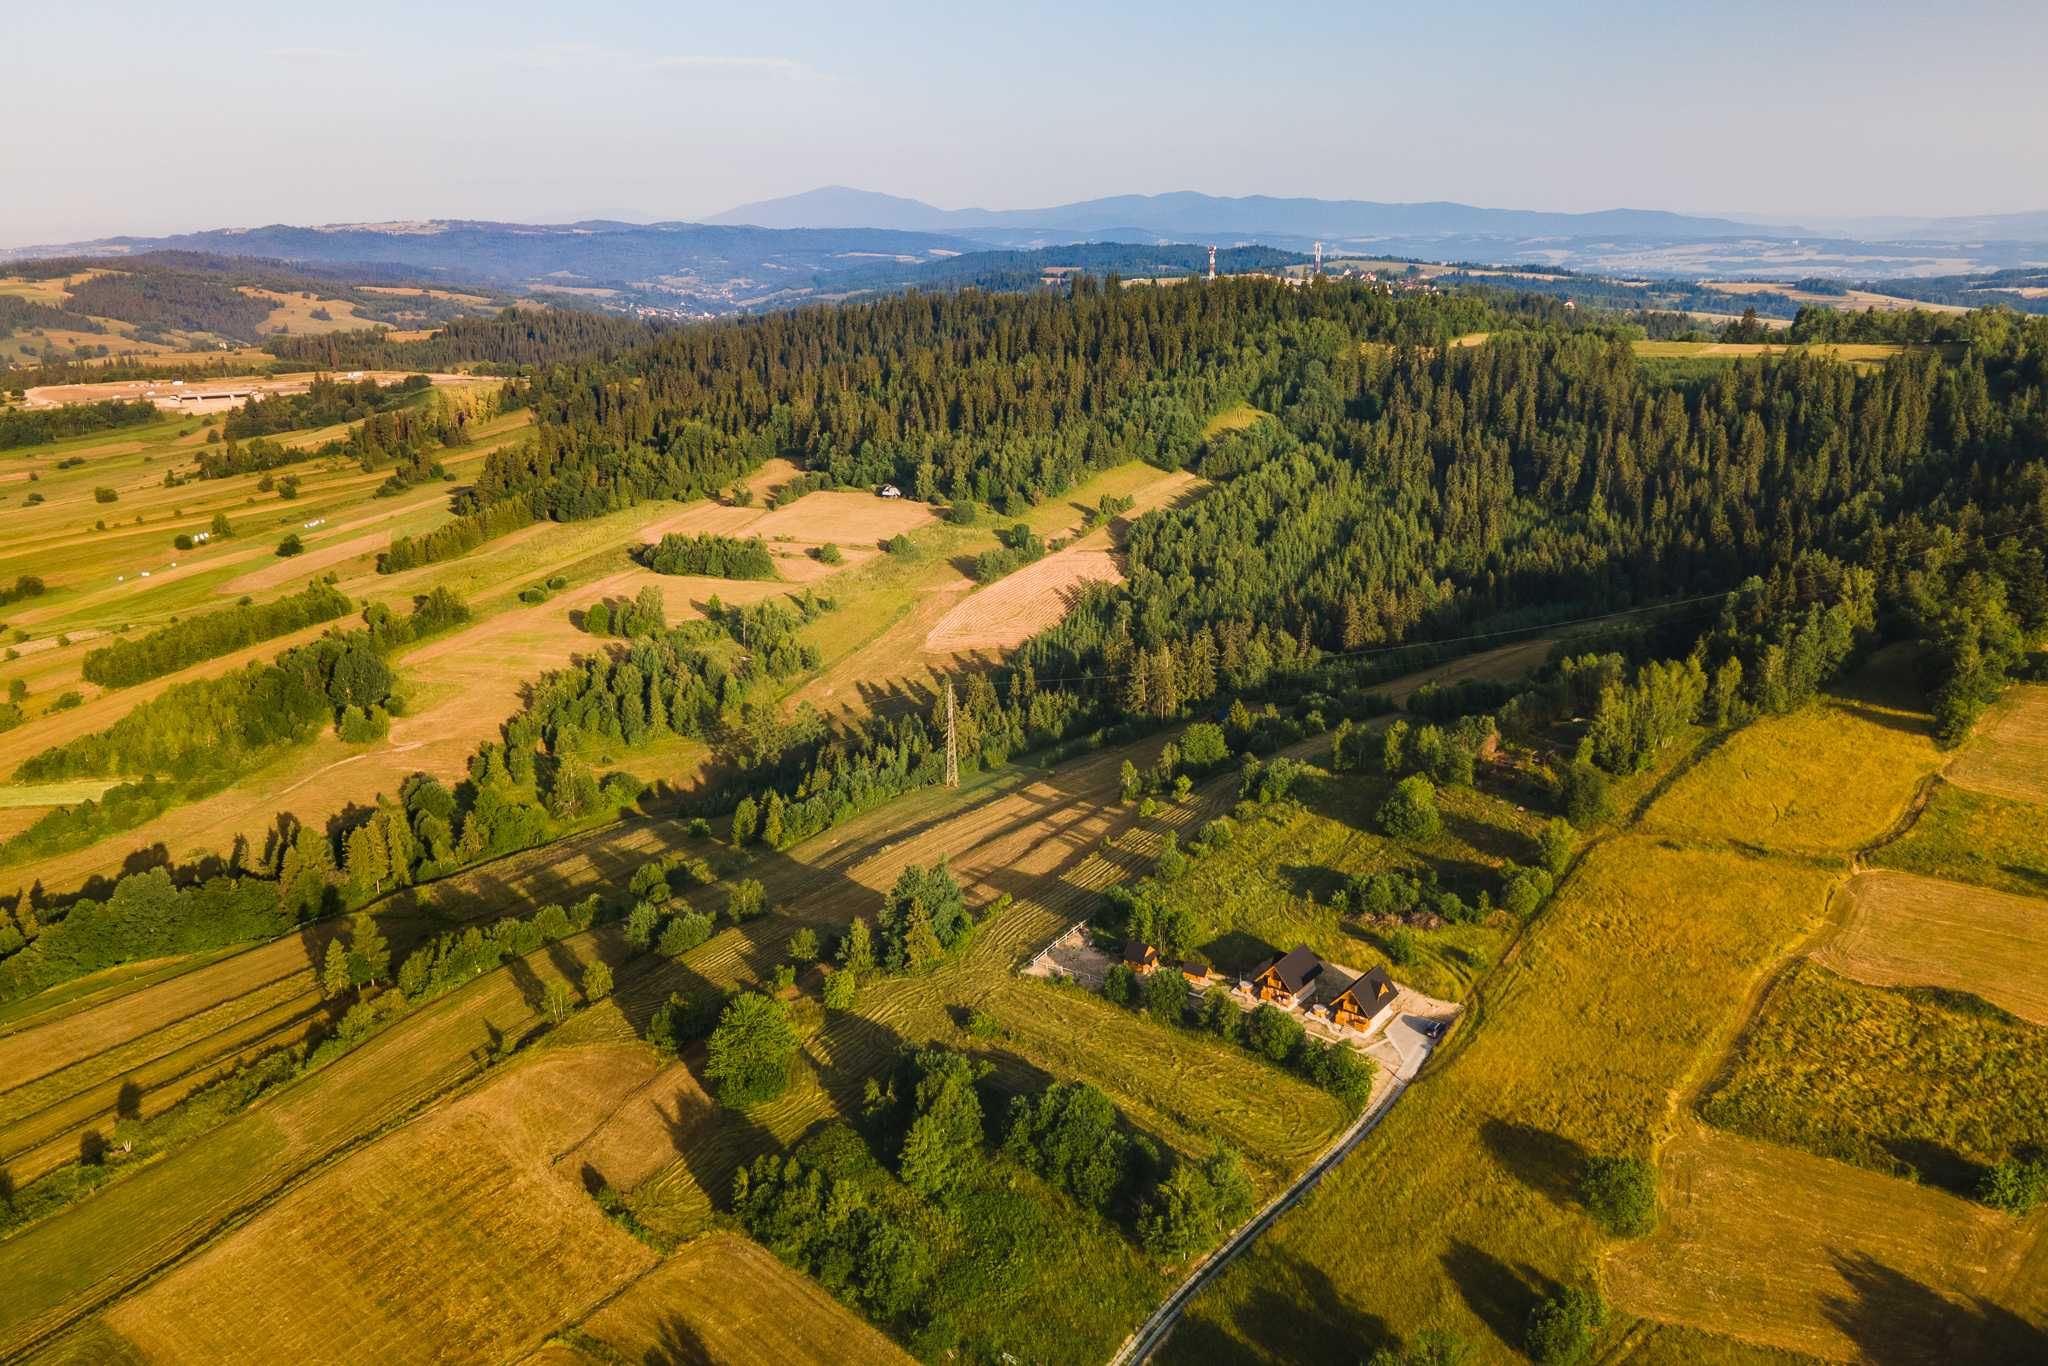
41,1122
468,1200
34,795
2008,755
844,516
1853,353
32,1049
725,1298
1018,606
1870,1269
1902,930
1234,419
68,1265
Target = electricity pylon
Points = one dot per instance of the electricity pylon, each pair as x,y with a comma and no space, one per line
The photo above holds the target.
952,741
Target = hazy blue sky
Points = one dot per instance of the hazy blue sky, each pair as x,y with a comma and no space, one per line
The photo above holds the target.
126,117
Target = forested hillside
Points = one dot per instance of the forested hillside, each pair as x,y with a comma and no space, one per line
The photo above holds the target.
1377,487
1546,474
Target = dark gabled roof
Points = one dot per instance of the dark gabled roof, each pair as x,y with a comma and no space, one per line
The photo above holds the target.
1138,951
1372,991
1297,969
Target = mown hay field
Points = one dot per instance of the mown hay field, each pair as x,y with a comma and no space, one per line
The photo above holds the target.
725,1298
1574,1048
467,1201
1861,354
1904,931
1799,1253
1018,606
68,1265
2008,755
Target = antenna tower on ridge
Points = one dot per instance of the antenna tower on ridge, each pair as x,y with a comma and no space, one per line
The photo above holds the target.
1212,263
1319,258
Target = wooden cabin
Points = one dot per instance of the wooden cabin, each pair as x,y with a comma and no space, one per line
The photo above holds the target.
1287,980
1361,1005
1140,957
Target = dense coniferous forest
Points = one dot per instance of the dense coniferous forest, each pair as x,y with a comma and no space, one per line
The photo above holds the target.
512,341
159,300
18,314
995,398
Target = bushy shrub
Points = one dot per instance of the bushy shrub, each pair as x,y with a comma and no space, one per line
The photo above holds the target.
1410,811
1621,1193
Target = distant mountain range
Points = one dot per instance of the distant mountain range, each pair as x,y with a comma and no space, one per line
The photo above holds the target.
837,240
572,255
1186,213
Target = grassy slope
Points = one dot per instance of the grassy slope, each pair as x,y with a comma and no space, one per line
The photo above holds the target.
1619,996
1936,1086
1968,836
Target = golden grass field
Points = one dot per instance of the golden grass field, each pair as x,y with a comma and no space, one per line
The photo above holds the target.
1800,1253
725,1298
1019,605
293,312
2008,755
1613,1009
1901,930
1825,780
1008,612
1575,1046
1862,354
1968,836
468,1200
70,1265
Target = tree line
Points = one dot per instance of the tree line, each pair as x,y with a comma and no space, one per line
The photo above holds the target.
171,648
327,402
215,725
41,426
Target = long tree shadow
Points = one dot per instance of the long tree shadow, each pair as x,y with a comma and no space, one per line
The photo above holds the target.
1296,1313
713,1140
676,1343
1500,1296
1894,1319
1549,1164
